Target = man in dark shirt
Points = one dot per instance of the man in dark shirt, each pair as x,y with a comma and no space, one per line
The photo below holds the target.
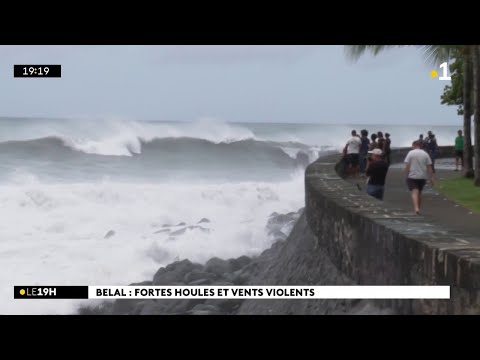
376,172
387,148
431,146
421,141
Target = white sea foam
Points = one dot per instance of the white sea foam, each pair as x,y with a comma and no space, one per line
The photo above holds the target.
54,234
124,138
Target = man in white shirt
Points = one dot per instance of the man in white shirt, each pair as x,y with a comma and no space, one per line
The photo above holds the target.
352,153
417,170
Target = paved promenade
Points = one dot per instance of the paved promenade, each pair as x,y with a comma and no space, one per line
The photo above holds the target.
436,208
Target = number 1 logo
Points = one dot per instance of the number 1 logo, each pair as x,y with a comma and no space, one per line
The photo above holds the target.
445,76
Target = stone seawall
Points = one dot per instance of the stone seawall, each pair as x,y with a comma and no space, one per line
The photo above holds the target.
382,245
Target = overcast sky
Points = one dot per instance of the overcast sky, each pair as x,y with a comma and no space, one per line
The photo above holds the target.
257,83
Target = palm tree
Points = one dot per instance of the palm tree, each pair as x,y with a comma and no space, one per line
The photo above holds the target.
475,49
465,53
437,54
453,94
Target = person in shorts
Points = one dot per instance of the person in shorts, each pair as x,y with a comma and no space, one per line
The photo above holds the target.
459,150
352,152
418,168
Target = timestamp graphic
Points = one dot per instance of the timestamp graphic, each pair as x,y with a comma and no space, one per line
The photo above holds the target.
37,71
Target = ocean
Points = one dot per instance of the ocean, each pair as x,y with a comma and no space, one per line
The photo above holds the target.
89,202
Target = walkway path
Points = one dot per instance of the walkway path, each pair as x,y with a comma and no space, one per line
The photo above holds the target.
435,207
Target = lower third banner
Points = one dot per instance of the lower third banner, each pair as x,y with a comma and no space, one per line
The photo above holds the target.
232,292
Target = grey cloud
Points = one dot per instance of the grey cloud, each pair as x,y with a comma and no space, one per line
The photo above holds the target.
232,54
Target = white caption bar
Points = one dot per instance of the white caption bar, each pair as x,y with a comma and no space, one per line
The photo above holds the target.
269,292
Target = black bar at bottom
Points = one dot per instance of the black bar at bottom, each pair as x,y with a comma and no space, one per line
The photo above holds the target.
50,292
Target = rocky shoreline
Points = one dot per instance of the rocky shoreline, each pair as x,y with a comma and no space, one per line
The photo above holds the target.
295,259
216,271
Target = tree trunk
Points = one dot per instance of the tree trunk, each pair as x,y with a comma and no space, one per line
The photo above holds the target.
476,116
467,113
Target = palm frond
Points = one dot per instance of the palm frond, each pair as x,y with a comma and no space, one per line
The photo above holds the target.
437,54
354,52
433,54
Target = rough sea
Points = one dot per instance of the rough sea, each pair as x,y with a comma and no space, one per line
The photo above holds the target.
89,202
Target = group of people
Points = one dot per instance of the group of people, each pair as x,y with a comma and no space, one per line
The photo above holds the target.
371,158
358,148
429,145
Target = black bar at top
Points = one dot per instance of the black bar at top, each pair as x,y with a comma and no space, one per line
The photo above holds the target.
50,292
54,71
